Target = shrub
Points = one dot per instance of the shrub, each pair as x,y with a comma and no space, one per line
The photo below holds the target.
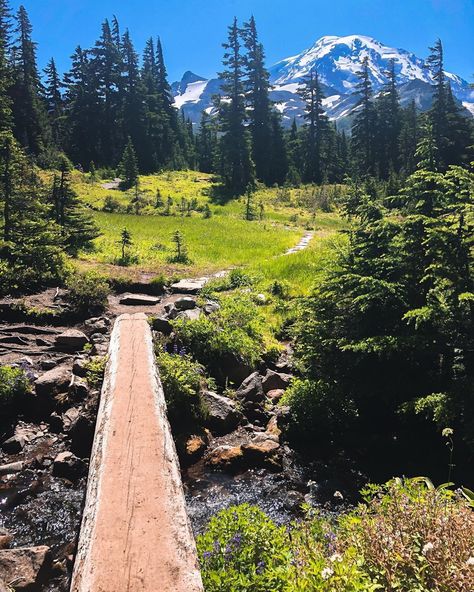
318,412
280,289
95,369
111,204
14,384
159,283
181,378
87,292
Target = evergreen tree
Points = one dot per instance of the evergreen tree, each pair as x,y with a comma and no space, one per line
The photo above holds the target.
278,154
388,126
5,69
409,136
128,166
236,161
206,144
363,127
438,111
30,119
316,128
261,121
295,159
78,228
54,102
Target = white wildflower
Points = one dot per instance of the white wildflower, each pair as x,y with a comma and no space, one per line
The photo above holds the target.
338,495
470,561
427,548
327,573
335,557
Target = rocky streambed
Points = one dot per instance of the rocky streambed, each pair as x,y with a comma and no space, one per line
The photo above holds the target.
240,457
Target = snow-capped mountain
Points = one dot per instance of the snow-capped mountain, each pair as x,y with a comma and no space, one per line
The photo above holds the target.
337,59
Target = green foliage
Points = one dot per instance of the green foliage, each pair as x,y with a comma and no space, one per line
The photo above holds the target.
95,369
180,254
87,293
14,385
407,535
182,379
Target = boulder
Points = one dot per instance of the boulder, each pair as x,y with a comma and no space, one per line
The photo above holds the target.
71,340
262,452
275,395
254,412
231,368
82,431
79,388
10,469
15,444
162,325
79,367
195,447
275,380
27,568
139,300
69,417
98,324
171,311
251,389
56,424
53,381
273,427
211,307
225,457
185,303
189,315
223,415
68,466
189,286
48,364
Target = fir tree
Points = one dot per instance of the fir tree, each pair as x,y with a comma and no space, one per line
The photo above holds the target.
54,102
128,166
363,127
236,161
5,69
388,126
206,144
409,136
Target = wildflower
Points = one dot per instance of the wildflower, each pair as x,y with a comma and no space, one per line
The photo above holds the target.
447,432
427,548
470,561
327,573
207,554
260,567
335,557
338,495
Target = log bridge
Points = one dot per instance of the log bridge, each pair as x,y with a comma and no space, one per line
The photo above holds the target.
135,534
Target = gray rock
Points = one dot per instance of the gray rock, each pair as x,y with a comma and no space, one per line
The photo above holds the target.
79,367
98,338
98,325
54,381
56,424
71,340
68,466
79,387
275,380
26,568
69,417
189,286
10,468
223,415
48,364
162,325
171,311
139,300
190,315
15,444
251,389
211,307
185,303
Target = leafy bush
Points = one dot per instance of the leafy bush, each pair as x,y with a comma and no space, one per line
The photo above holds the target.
235,330
318,413
181,378
95,369
14,384
87,292
406,536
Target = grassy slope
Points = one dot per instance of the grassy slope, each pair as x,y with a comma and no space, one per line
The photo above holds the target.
223,241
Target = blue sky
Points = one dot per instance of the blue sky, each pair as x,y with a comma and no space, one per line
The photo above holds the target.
192,30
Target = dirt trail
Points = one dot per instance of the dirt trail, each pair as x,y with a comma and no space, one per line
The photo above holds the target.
135,533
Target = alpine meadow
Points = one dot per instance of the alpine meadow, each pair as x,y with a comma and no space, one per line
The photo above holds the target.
236,312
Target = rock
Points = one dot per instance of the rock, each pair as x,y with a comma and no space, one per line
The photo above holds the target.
68,466
251,389
56,424
189,315
54,381
265,437
275,395
79,367
162,325
98,324
69,417
171,310
189,286
195,447
275,380
5,539
11,468
82,431
211,307
43,342
71,340
98,338
15,444
139,300
223,415
79,388
26,568
262,452
185,303
225,457
273,427
254,412
260,299
48,364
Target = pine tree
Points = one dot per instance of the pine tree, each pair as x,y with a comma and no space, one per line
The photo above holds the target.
30,120
128,166
257,86
316,128
363,127
5,69
438,111
206,144
295,159
54,102
409,136
388,131
78,228
236,161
